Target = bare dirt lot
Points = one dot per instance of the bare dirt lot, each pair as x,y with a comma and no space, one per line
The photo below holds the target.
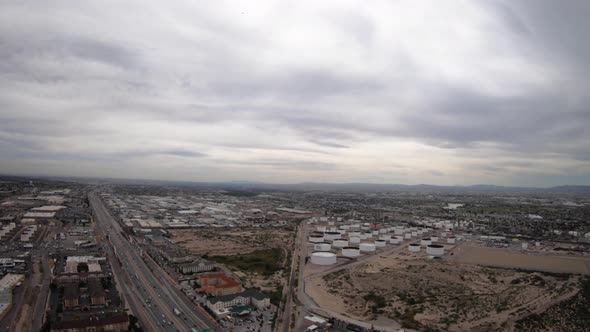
500,257
447,296
220,242
230,242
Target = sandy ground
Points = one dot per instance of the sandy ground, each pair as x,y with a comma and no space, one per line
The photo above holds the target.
500,257
231,242
437,293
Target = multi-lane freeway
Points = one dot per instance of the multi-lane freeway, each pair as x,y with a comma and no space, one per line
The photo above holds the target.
147,290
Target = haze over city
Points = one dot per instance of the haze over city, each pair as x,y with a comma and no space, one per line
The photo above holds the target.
460,92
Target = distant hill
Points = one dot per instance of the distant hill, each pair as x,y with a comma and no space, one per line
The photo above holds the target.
317,186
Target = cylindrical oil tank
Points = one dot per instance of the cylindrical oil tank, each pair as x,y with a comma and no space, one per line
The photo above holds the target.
321,228
399,237
399,231
351,252
323,258
331,236
426,241
340,243
354,240
382,231
322,246
368,235
435,250
341,231
375,232
344,227
385,237
434,238
316,238
451,239
395,241
408,235
380,243
414,234
330,223
354,234
443,234
367,247
414,247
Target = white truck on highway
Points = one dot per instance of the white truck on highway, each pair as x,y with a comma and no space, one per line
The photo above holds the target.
176,312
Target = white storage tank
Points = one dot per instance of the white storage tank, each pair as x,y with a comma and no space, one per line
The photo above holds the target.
344,227
351,252
434,238
340,243
367,236
426,241
380,243
322,247
354,234
385,237
354,240
395,241
316,238
525,246
414,247
414,234
435,250
321,228
323,258
375,232
408,235
330,236
382,231
451,239
367,247
399,231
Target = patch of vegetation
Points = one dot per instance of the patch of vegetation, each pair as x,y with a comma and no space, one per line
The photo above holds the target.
569,315
264,261
378,302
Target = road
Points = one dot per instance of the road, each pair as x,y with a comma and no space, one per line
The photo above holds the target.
41,301
147,290
290,308
308,305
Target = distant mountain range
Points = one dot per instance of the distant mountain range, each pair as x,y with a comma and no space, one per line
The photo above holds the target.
315,186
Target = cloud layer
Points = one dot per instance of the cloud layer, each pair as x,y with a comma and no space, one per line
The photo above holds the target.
457,92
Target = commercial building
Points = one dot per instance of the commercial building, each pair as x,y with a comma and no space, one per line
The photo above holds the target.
114,323
7,284
220,305
196,267
218,284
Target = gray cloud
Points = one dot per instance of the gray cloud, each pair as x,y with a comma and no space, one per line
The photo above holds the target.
335,89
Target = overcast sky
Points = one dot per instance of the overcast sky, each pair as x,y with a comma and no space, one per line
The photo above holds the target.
438,92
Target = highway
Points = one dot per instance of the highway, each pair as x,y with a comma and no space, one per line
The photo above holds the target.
147,290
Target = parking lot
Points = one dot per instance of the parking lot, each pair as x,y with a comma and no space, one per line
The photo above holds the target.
255,321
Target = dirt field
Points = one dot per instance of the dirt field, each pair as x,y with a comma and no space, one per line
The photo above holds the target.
231,242
420,292
499,257
243,241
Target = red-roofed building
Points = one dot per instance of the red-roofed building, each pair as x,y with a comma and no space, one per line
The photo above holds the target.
218,284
